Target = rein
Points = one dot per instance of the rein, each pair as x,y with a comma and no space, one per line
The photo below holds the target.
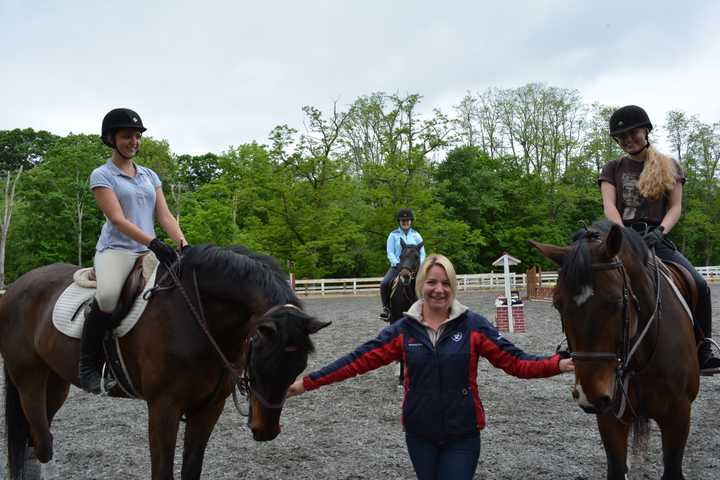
628,346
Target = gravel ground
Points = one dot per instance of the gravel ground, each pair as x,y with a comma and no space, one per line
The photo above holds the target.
352,430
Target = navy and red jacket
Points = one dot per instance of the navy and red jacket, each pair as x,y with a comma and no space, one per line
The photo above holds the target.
441,400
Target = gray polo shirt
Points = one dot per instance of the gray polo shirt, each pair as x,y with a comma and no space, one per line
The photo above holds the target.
137,199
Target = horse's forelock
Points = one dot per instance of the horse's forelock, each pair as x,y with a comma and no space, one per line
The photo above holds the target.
576,270
290,322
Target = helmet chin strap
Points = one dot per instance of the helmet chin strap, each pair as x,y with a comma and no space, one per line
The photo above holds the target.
114,146
129,158
647,145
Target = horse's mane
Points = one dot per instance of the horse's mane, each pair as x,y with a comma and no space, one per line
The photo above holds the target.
238,265
576,270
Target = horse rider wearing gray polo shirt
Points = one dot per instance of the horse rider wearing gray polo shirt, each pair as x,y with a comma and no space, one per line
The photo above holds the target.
130,196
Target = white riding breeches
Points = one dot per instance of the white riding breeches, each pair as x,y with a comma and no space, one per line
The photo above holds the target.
111,270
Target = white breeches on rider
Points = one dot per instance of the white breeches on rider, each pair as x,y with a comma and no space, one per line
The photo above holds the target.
111,270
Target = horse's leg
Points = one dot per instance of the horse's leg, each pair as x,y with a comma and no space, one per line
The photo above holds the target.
163,420
57,392
197,433
675,429
615,440
32,387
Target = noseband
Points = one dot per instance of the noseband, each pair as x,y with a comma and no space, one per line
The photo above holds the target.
627,346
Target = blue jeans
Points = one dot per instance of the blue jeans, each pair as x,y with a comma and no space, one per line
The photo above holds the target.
456,460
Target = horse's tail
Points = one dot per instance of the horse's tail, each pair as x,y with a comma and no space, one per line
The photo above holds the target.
640,435
17,430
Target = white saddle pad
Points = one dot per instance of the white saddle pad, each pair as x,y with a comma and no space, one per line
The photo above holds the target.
69,317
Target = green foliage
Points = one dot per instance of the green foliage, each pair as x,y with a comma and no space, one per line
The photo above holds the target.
514,165
57,219
24,148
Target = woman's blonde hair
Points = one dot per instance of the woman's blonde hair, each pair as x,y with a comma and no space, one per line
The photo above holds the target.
431,261
659,175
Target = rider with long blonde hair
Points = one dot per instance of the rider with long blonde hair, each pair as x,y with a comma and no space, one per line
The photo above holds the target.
643,190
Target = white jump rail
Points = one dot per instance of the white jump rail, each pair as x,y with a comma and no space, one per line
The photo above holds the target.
466,282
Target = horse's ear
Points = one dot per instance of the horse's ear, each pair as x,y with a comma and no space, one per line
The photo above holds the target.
551,252
267,329
420,245
402,243
613,241
313,325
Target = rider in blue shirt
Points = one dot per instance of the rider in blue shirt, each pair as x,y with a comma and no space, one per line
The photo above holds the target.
410,237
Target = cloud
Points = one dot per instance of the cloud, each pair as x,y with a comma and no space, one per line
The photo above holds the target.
206,76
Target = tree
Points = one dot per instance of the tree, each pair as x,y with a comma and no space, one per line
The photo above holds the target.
24,148
9,204
57,218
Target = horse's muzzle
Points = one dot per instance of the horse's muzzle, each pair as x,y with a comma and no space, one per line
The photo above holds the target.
264,423
265,435
598,406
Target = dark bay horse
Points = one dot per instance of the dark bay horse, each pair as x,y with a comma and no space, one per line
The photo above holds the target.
632,340
230,314
402,292
402,289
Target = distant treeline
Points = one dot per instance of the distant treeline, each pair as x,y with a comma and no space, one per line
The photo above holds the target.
504,167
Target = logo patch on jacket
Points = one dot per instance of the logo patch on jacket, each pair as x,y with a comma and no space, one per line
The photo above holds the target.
457,337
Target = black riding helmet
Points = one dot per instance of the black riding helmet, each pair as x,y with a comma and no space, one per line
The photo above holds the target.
628,117
118,118
405,214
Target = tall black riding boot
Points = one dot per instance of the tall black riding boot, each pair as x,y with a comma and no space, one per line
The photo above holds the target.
709,363
384,297
96,323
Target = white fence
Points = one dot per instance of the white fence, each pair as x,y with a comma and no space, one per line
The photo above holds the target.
370,286
473,281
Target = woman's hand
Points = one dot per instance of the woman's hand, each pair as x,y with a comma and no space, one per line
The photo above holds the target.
566,365
297,388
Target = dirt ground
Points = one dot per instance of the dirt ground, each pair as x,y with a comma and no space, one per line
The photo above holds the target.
352,430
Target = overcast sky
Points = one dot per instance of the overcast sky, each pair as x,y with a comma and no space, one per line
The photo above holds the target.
205,75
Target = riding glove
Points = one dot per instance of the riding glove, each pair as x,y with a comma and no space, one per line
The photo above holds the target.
655,236
164,252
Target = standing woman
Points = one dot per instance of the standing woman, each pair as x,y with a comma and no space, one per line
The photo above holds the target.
440,341
643,190
131,197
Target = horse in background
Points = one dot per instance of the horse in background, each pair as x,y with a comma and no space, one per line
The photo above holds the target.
402,289
630,333
221,319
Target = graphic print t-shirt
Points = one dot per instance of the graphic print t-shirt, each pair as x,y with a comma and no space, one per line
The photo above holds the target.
624,175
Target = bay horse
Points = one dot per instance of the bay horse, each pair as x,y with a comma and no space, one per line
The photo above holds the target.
402,289
630,333
240,326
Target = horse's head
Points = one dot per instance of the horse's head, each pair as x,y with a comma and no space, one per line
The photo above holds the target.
247,295
279,353
409,261
596,303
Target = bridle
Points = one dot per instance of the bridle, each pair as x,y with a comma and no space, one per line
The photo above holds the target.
628,346
241,377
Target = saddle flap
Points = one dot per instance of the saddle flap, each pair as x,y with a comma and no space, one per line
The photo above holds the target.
684,282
